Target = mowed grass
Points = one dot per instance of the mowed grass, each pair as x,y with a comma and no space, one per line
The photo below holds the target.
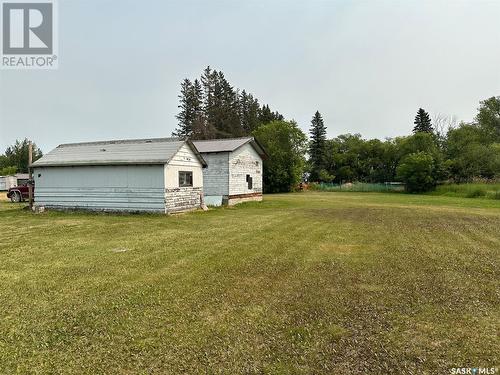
307,283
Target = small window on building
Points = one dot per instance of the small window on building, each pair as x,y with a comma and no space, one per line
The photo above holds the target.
249,181
185,179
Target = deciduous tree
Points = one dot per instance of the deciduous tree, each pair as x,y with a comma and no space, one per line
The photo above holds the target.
416,170
488,118
285,143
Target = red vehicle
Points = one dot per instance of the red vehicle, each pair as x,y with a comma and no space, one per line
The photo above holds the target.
19,193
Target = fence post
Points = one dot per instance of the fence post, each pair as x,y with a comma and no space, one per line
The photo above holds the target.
30,170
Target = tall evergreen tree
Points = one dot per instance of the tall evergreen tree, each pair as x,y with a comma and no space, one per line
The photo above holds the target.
212,108
226,120
186,115
198,125
317,147
209,85
266,115
252,114
277,116
249,110
422,122
197,98
191,106
243,103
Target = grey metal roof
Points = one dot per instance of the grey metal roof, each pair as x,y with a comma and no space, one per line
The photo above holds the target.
132,151
227,145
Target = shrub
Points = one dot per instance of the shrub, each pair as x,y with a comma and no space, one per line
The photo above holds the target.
474,193
416,170
496,195
356,187
325,176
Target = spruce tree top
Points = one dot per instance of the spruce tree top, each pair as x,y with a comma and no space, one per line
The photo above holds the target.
318,139
318,128
422,122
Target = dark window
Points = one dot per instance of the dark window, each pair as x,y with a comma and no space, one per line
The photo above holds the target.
185,179
249,181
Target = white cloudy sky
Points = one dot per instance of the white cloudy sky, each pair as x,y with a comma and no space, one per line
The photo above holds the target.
365,65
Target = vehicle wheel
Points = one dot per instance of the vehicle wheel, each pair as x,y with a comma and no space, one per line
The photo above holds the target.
15,197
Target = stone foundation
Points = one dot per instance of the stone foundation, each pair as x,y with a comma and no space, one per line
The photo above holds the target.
183,199
240,198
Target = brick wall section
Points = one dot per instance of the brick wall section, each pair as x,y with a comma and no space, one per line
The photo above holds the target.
182,199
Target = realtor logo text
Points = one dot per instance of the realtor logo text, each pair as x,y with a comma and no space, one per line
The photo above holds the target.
29,34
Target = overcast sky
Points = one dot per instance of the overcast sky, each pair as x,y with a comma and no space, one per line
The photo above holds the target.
367,66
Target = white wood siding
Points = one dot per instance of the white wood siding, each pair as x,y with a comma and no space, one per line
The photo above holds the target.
6,182
242,162
184,160
183,198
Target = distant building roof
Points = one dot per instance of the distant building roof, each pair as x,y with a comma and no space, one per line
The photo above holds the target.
132,151
228,145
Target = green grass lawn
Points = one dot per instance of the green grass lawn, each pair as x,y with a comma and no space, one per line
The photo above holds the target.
308,283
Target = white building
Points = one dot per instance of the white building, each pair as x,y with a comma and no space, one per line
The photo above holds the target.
234,171
7,182
154,175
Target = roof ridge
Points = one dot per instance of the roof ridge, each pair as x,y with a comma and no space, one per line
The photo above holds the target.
122,141
221,139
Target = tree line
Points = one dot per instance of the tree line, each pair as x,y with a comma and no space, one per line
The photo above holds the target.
430,155
210,107
15,158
